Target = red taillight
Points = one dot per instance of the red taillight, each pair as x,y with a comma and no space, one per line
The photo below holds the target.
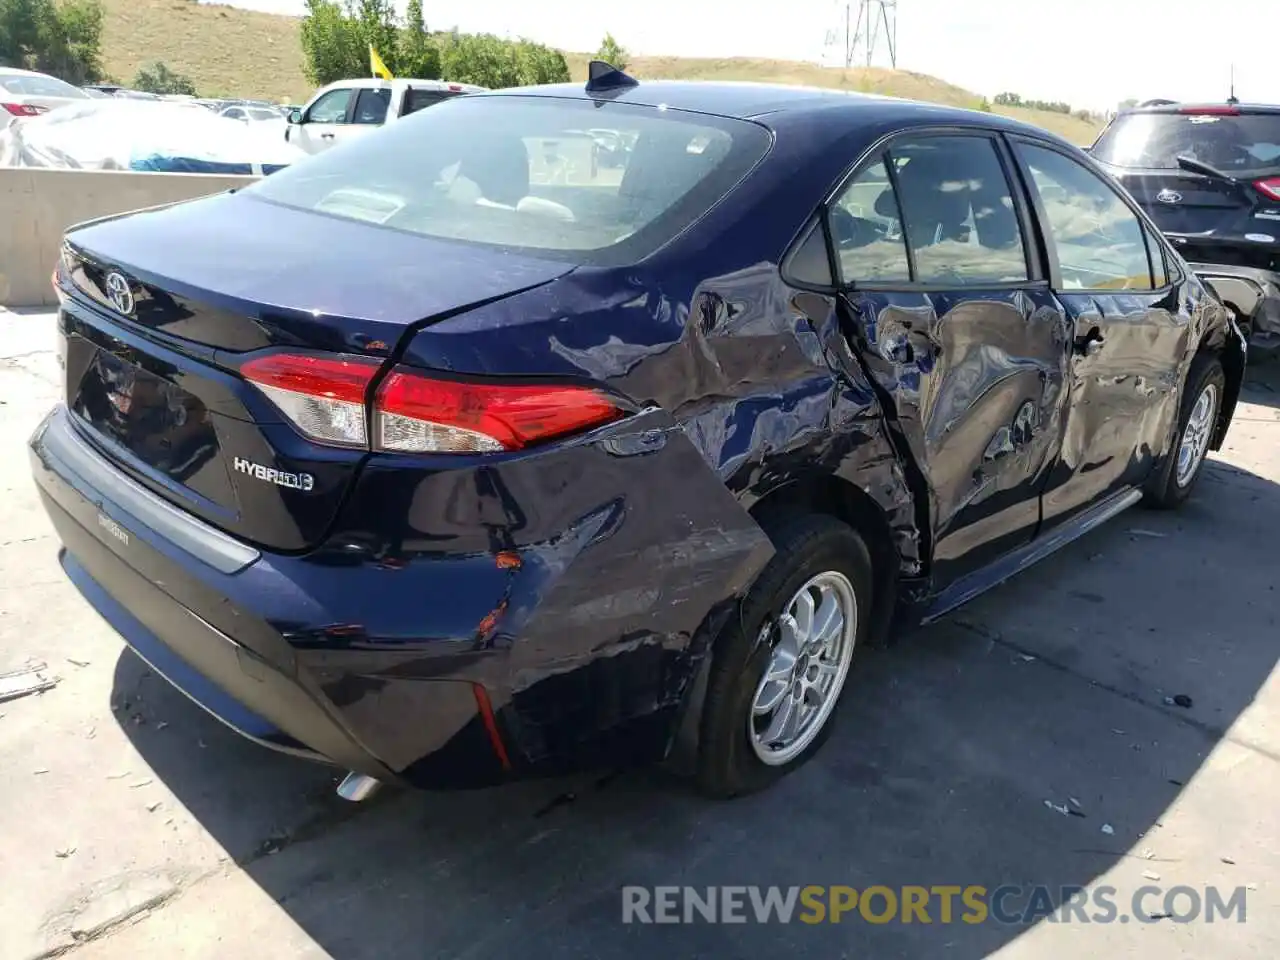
1269,188
324,397
416,414
455,87
1213,110
22,109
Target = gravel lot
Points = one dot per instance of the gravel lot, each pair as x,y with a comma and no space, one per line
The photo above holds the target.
136,826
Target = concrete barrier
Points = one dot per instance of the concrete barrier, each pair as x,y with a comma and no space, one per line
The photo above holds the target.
37,206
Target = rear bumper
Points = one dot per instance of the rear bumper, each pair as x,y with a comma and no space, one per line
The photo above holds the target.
171,585
568,643
1253,293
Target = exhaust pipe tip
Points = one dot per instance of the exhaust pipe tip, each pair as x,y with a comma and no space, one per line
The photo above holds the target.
358,786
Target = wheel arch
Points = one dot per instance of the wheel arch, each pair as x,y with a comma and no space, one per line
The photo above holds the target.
1230,351
822,494
834,496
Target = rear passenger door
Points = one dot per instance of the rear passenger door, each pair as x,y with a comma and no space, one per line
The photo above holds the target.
369,114
942,282
1129,333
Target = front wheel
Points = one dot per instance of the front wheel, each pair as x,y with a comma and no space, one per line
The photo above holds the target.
1197,420
780,666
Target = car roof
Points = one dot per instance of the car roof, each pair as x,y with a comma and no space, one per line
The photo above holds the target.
15,72
775,104
376,83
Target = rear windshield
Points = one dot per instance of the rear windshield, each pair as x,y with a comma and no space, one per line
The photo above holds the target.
574,179
40,87
415,100
1244,145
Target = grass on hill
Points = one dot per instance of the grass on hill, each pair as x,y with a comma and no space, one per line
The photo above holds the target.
225,50
232,52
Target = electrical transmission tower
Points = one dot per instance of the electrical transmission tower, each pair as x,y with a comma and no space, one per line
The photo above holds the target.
868,28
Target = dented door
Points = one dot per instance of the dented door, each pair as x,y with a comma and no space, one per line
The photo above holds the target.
957,326
1129,331
974,384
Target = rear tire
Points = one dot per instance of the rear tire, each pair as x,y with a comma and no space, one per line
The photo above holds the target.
1197,420
801,623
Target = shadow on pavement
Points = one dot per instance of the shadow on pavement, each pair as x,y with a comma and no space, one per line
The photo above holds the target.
947,747
1262,382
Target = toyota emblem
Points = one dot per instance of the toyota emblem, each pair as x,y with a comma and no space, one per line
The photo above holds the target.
120,293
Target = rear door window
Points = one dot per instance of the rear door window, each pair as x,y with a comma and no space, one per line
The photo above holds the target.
945,218
1243,145
958,212
38,86
1099,239
866,229
418,99
371,106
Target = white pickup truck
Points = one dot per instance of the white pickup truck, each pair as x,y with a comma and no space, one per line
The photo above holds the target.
350,108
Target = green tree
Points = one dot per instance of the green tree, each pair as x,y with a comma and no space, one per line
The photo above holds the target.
332,44
20,30
538,64
613,53
377,21
479,58
419,55
72,47
336,37
492,62
63,38
158,78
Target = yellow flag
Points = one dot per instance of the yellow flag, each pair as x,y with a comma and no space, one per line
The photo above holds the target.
376,65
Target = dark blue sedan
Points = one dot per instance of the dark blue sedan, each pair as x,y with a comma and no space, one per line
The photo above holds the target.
463,452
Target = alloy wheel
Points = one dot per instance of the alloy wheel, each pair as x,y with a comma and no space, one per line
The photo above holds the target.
1196,434
813,644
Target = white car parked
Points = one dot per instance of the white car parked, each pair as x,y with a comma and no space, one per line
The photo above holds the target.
27,94
350,108
251,114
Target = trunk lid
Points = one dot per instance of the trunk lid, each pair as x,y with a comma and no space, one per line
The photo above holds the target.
152,368
1189,203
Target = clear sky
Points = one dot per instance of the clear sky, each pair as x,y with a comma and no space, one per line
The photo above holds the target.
1091,53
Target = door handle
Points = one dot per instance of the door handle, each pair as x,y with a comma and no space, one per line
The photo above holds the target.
326,136
1090,343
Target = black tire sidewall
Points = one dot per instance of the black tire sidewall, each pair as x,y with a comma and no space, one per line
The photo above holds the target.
806,546
1205,369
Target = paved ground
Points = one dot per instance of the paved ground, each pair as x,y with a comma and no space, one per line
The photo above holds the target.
135,826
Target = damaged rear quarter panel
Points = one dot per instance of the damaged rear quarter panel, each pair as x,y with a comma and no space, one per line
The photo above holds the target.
736,379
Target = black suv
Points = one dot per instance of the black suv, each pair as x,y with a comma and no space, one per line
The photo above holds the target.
1209,176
